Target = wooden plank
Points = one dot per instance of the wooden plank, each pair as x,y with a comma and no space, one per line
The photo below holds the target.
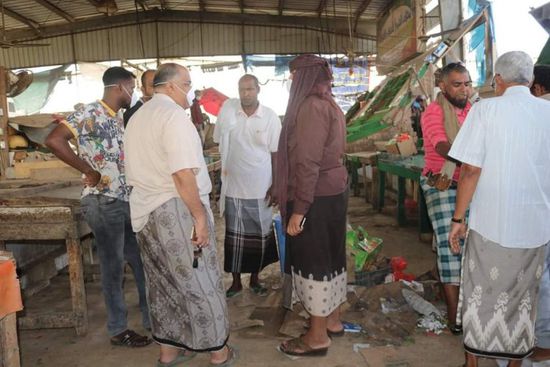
4,147
52,320
43,231
78,292
26,169
9,344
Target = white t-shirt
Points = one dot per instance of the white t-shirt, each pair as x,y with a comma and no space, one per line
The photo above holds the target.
246,144
508,137
160,140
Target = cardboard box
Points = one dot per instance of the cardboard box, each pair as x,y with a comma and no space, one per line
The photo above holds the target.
407,147
392,148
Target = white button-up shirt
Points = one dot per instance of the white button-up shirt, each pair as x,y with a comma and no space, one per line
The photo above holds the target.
508,137
246,144
160,140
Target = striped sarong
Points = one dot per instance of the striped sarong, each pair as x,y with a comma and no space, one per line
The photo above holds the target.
249,238
441,206
187,305
498,298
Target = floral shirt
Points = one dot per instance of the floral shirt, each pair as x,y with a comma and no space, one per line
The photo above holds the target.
99,133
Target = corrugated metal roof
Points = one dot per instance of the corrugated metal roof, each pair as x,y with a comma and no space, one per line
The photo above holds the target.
179,40
170,33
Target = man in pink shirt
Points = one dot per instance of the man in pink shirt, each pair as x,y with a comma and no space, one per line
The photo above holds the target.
455,88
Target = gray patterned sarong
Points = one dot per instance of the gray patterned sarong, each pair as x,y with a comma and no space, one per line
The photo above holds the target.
498,298
187,305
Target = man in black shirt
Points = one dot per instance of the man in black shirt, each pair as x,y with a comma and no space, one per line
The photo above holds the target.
147,90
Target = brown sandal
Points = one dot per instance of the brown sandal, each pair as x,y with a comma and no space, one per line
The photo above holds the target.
293,345
130,338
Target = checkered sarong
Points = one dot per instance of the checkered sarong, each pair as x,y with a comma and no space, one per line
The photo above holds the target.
441,207
249,239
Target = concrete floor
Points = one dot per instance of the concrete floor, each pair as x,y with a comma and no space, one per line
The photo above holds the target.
60,347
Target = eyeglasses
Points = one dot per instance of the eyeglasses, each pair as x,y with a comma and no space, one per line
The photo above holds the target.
188,84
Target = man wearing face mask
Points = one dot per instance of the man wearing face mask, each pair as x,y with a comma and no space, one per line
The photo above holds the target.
175,227
98,128
440,123
147,91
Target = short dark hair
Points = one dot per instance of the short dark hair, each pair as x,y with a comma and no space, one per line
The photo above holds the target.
542,76
166,72
453,67
144,73
250,76
115,74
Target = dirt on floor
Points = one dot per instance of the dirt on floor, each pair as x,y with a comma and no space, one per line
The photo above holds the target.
259,324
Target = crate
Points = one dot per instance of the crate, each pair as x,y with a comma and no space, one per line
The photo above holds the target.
371,278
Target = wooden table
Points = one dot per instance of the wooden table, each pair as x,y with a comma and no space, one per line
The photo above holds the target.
360,160
404,168
49,218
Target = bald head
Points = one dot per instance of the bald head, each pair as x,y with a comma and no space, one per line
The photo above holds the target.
174,81
249,87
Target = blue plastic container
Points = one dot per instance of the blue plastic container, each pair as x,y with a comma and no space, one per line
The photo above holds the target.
280,238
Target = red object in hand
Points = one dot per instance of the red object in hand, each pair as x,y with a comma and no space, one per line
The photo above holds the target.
212,100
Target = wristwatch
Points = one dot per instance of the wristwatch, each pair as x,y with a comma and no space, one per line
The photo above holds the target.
456,220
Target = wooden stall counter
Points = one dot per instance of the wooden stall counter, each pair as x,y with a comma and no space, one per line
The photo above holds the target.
43,218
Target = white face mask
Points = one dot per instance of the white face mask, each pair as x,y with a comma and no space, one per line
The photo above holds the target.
191,96
187,95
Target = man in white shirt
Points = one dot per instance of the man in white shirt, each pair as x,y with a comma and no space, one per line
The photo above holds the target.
504,150
541,89
248,134
171,214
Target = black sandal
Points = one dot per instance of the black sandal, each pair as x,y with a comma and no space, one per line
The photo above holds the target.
455,329
130,338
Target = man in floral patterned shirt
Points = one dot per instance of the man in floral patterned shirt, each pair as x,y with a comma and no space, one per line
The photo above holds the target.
98,129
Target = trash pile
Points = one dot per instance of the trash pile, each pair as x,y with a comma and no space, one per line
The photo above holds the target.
365,249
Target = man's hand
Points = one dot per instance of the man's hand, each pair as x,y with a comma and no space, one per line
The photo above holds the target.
458,232
293,227
91,178
202,238
270,197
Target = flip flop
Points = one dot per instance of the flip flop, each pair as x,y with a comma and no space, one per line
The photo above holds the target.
298,343
233,356
330,333
180,358
259,290
230,293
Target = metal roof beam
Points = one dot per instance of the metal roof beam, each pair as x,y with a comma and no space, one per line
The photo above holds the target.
63,14
100,22
163,4
321,7
281,6
360,10
20,18
202,5
143,4
241,6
